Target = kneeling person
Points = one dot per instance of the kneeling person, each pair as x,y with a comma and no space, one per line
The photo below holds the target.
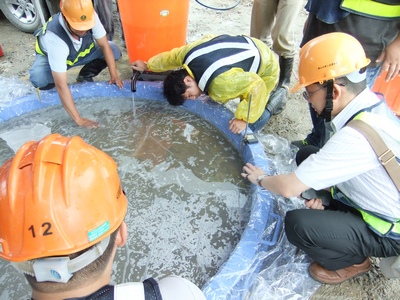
363,216
224,67
73,37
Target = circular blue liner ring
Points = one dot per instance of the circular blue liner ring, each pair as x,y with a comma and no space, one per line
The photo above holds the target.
234,278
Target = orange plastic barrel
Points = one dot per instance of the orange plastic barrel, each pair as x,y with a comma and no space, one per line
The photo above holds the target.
391,91
153,26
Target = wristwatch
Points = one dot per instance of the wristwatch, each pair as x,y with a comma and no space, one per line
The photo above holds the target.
260,178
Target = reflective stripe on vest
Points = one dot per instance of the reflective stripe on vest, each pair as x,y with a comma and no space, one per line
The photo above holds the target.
371,8
243,48
38,33
377,224
80,55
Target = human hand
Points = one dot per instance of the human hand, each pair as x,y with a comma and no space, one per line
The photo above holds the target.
117,81
315,203
390,59
237,126
139,65
251,173
82,122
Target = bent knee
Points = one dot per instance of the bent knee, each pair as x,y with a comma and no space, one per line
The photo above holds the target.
296,225
37,78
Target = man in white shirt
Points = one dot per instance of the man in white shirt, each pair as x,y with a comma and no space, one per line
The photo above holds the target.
73,37
361,219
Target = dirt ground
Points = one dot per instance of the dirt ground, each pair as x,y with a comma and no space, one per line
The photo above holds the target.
293,123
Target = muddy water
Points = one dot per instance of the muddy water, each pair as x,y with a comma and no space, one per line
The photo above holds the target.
187,202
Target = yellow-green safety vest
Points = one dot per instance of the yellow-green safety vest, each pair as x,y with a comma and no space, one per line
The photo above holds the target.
74,56
381,9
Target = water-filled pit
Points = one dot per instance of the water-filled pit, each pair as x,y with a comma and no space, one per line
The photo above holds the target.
191,196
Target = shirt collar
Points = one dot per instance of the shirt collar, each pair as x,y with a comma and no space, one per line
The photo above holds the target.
363,100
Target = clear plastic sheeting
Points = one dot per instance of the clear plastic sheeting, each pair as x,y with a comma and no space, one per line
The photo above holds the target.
16,137
277,270
12,89
283,270
279,153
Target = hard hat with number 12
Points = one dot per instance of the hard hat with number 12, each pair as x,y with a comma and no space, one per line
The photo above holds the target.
57,196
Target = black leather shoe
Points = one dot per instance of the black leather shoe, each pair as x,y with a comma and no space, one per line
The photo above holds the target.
84,79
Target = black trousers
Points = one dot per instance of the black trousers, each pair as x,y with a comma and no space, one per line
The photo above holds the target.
336,237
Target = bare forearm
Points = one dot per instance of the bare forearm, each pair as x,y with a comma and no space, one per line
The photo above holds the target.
109,58
281,185
68,102
287,185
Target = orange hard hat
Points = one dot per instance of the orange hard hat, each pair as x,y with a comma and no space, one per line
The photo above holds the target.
79,13
57,196
329,56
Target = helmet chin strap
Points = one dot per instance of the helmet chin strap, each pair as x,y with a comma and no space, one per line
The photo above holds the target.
61,268
326,113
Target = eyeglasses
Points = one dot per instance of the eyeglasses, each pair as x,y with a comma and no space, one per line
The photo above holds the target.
307,95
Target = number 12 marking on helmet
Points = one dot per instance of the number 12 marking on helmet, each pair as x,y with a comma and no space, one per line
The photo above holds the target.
47,231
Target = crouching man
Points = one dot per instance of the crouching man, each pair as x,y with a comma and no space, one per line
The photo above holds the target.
362,218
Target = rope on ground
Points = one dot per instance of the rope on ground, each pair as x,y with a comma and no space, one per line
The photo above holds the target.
219,8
